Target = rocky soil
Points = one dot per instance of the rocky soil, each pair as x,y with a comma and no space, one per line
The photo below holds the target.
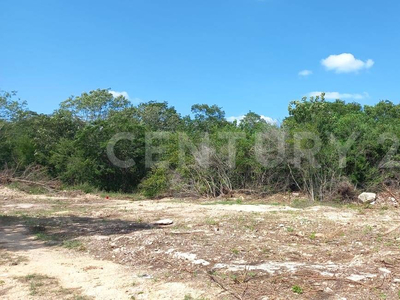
280,247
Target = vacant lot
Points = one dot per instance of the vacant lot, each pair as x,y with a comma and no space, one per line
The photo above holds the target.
77,246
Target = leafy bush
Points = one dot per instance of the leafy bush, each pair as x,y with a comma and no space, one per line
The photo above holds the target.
72,145
155,184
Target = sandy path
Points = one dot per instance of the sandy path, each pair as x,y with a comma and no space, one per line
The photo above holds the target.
96,278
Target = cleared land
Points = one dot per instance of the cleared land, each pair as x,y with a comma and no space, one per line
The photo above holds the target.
77,246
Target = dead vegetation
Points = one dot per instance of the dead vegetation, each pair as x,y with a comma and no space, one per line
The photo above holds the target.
33,176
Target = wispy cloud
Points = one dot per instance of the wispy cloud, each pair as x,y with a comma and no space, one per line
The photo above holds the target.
305,73
337,95
345,63
269,120
117,94
137,100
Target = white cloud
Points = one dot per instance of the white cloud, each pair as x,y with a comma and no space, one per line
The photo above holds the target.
345,63
337,95
240,118
305,73
269,120
232,119
117,94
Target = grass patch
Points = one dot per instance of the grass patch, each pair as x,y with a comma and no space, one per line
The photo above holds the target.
225,202
211,221
367,229
42,236
36,282
29,189
51,239
297,290
49,288
235,251
7,258
303,203
190,297
74,244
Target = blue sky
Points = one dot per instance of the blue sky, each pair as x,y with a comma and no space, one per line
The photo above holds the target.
240,54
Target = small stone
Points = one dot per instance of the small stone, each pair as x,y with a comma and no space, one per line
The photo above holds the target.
384,270
164,222
367,197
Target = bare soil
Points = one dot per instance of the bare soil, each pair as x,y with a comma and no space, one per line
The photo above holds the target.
77,246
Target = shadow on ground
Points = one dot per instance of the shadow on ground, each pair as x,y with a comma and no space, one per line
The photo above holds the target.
52,231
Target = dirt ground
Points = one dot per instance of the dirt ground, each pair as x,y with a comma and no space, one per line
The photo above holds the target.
78,246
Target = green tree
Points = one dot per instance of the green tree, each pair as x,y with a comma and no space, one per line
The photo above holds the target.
95,105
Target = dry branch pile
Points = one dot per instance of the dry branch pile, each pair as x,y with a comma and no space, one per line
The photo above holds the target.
32,176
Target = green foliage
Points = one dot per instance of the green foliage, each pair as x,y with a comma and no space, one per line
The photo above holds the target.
157,116
155,184
73,244
341,120
95,105
73,145
297,289
10,108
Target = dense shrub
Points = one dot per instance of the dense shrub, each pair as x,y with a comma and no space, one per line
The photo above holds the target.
191,154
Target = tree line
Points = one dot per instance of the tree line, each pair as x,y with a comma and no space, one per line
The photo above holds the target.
326,149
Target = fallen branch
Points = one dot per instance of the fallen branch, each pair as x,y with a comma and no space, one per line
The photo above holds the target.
390,192
224,288
392,229
331,278
48,186
32,175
